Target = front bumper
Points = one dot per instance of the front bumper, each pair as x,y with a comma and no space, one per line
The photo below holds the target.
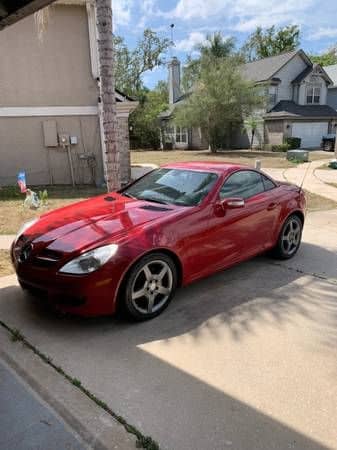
93,294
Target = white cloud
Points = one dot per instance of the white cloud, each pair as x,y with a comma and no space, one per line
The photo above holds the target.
326,32
121,11
248,13
189,9
194,38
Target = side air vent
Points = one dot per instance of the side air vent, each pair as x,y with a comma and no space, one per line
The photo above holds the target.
108,198
155,208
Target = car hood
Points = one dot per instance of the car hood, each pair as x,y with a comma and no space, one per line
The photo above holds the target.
103,219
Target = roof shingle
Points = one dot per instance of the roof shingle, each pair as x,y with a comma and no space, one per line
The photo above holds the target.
288,108
265,68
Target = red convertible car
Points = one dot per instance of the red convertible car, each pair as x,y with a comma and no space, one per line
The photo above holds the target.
176,224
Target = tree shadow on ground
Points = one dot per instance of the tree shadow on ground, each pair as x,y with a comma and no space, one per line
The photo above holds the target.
260,291
110,356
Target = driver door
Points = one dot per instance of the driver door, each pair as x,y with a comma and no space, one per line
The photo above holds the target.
240,233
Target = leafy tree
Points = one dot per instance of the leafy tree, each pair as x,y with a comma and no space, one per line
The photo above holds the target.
271,41
215,46
144,124
221,98
132,64
326,59
251,124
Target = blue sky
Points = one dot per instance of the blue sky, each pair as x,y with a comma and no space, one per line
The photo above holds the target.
193,19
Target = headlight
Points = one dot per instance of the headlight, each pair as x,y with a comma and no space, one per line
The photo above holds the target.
25,227
90,261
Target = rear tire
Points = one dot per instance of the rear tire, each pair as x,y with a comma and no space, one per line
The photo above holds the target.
289,239
149,286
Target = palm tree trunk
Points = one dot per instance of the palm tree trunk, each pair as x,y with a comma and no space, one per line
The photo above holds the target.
107,93
252,139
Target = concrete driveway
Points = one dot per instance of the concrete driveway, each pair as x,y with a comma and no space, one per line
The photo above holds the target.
243,360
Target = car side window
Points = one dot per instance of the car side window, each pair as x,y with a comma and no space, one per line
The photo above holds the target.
268,184
244,184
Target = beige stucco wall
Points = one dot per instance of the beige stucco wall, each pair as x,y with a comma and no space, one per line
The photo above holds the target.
22,148
54,72
274,132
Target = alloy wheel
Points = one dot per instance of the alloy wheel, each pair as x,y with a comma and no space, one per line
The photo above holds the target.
291,237
152,287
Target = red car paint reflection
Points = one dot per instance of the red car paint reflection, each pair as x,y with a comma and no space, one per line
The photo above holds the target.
201,238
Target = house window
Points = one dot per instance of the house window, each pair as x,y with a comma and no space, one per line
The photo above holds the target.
313,94
181,135
168,134
272,96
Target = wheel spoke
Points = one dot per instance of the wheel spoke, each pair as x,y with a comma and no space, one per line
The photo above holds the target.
286,243
162,273
150,303
139,294
163,290
147,272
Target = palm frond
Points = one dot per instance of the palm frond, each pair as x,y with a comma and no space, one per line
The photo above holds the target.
42,18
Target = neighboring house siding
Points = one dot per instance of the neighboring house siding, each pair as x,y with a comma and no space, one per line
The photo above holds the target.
302,98
34,73
287,74
197,141
332,98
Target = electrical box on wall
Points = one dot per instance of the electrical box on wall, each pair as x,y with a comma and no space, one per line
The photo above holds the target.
73,140
64,140
49,128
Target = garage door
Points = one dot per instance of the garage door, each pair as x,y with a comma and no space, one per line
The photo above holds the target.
310,133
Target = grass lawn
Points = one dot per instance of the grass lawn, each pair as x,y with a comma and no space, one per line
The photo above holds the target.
6,267
318,203
325,167
13,214
268,159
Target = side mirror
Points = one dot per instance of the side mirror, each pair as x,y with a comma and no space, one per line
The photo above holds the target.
232,203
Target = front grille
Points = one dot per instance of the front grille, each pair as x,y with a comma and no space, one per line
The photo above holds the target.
46,258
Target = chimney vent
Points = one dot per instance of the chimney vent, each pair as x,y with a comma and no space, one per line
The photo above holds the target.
174,80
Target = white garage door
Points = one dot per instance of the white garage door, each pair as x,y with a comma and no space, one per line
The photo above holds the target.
310,133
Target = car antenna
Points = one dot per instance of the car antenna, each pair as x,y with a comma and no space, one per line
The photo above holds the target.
305,175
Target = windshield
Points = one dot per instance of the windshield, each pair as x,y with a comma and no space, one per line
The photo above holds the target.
173,186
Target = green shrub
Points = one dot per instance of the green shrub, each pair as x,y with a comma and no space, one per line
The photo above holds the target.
293,142
280,148
268,147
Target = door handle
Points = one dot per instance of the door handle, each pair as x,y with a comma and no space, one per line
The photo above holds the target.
272,206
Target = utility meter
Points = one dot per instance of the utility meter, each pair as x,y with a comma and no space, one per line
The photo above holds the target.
64,140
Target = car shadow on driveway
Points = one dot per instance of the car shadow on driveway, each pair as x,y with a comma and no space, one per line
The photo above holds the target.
260,290
139,370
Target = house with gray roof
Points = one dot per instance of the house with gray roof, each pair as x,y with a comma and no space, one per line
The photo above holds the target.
332,90
298,104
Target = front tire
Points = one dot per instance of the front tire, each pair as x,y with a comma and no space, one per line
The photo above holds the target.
150,286
289,239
